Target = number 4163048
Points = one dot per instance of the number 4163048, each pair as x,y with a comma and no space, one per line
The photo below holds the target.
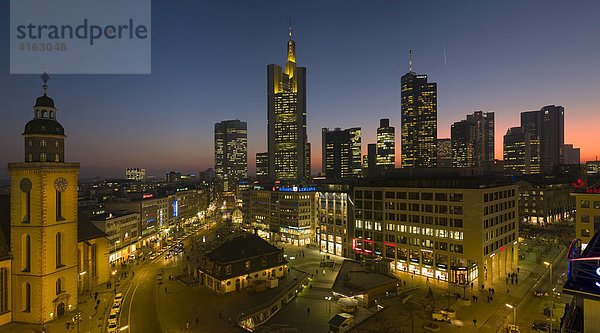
35,47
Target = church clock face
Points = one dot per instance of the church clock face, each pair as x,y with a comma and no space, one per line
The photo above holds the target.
60,184
25,185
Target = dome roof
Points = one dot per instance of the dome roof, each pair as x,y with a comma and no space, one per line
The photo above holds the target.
44,126
44,101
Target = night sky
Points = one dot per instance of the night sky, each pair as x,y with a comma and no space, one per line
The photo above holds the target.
209,64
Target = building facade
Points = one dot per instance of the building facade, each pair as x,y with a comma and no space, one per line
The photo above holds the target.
516,160
341,153
419,121
289,212
542,140
473,140
587,218
335,220
135,174
543,202
231,151
289,150
262,166
122,229
449,229
571,154
444,153
386,145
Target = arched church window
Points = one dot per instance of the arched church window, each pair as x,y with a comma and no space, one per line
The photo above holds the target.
26,253
59,241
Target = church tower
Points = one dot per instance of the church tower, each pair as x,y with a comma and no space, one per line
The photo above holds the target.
43,220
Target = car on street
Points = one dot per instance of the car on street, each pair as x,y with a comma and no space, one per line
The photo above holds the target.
541,326
168,255
540,293
113,317
112,327
118,298
116,307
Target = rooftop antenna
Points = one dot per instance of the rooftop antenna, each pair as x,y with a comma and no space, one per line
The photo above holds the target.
290,28
45,77
410,60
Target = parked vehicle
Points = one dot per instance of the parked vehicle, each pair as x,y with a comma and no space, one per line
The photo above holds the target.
541,326
439,316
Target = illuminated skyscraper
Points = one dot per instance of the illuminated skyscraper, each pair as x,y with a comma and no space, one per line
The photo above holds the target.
289,150
231,157
473,140
531,125
262,166
419,121
515,154
341,153
386,145
552,138
543,135
444,153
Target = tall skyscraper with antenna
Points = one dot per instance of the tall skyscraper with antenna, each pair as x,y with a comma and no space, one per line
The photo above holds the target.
419,120
288,147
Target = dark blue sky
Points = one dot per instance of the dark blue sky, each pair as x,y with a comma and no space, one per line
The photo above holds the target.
209,64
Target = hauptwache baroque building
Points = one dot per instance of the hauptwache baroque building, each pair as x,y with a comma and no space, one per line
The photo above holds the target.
459,230
40,283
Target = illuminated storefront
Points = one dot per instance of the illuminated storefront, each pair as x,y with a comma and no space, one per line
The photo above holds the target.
295,235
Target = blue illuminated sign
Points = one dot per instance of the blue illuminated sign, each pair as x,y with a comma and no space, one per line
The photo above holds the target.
297,189
175,208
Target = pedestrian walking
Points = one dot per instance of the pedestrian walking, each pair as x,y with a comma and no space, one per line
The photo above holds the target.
187,325
507,291
427,279
474,322
307,311
518,269
516,281
404,283
165,290
471,284
197,321
506,280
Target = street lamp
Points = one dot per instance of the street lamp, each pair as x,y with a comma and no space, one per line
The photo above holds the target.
549,264
514,313
328,298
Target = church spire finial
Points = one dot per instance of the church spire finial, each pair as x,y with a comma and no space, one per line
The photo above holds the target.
410,60
290,28
45,77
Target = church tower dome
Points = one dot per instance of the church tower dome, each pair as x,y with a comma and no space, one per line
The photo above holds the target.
44,135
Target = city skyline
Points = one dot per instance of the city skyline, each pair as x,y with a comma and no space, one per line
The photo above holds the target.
550,78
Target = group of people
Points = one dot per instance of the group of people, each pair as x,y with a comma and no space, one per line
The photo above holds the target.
514,278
